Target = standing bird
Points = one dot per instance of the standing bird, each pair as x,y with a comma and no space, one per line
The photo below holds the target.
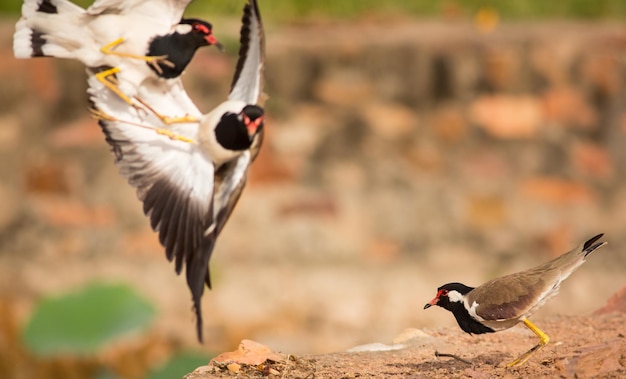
138,40
191,175
503,302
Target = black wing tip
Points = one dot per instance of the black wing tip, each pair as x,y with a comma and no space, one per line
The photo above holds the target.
37,42
590,246
250,11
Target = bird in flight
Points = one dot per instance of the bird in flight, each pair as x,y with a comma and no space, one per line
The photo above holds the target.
145,40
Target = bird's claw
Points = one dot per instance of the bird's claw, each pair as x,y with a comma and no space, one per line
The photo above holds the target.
157,60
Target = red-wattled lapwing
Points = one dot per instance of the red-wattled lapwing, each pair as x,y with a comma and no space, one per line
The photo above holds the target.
503,302
190,175
132,40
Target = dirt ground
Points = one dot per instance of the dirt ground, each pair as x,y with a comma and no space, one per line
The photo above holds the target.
581,347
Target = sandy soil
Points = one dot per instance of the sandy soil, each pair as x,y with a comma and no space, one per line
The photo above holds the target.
582,347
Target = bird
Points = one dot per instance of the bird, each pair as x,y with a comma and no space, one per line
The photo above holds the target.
190,176
504,302
137,39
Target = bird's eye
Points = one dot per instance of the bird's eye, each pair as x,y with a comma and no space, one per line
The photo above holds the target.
444,293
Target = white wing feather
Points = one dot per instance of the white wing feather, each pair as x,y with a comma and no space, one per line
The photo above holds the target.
248,81
171,9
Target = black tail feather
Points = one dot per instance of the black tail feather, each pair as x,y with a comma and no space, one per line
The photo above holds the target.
198,310
589,246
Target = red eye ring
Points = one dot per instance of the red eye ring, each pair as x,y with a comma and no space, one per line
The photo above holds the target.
201,28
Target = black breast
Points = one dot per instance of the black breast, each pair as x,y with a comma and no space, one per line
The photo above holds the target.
467,322
231,133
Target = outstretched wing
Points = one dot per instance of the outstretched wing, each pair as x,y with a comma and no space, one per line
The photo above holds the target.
173,178
172,9
247,84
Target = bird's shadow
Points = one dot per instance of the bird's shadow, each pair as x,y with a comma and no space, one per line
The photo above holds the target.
454,364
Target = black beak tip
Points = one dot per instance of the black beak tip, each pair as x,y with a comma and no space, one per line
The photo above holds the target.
220,47
427,306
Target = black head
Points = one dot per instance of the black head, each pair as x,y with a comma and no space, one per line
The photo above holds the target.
449,293
180,46
201,32
450,296
236,131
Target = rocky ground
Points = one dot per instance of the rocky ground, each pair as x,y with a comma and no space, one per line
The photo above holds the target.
580,347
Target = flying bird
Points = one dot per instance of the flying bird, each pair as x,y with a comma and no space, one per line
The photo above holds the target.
506,301
190,176
141,40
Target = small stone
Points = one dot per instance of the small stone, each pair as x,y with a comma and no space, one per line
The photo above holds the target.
233,367
377,346
204,369
274,371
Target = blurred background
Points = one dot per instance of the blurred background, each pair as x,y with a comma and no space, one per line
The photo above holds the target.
408,144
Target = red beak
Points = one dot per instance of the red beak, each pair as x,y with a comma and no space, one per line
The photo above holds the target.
211,40
431,303
252,126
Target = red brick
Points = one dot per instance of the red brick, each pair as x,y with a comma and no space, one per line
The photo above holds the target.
50,177
507,116
566,106
67,212
557,191
82,133
592,160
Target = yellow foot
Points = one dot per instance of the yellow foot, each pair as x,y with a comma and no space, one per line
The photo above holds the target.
543,341
153,61
108,80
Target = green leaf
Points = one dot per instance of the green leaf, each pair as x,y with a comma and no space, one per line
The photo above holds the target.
179,365
83,321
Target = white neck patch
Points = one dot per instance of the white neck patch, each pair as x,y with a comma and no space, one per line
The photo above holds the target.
455,296
182,28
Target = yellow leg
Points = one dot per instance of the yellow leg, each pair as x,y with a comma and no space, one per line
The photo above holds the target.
543,341
105,77
167,119
173,136
152,60
100,115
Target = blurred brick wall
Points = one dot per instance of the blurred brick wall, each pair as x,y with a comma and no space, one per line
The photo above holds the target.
396,157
